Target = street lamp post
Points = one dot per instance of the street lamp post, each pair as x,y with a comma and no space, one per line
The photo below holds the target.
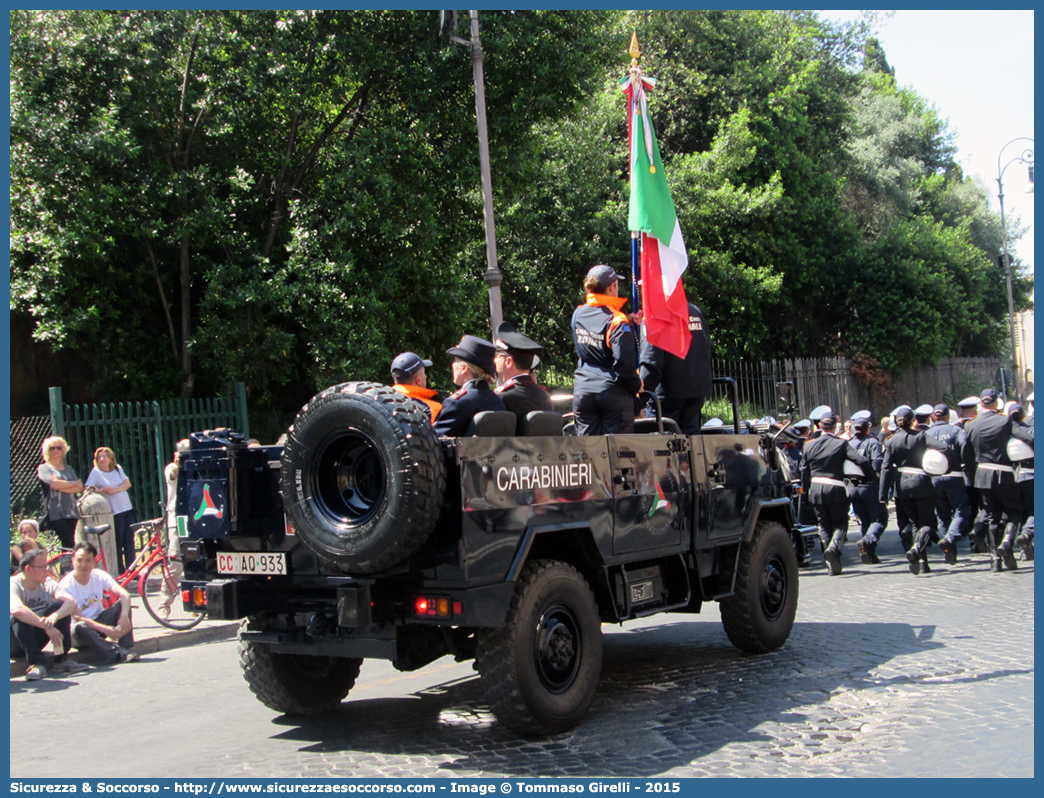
1025,157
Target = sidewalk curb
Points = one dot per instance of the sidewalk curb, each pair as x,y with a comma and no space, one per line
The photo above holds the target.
206,632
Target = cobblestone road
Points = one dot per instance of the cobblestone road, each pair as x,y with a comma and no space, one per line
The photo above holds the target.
885,674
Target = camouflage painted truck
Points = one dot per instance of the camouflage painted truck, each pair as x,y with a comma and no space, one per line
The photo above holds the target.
366,536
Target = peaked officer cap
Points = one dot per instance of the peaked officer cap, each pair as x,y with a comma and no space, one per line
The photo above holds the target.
861,415
803,424
817,414
923,410
477,351
968,401
509,339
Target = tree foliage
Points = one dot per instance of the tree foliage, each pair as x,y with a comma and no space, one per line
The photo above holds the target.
291,198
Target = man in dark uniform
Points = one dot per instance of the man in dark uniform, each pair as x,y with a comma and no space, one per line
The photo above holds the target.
986,458
473,371
951,492
1024,479
823,478
815,417
914,495
606,379
967,409
682,385
514,358
864,492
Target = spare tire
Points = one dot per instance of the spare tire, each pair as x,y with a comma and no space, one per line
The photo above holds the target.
363,476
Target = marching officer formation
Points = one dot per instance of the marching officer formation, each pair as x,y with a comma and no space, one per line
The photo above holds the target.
966,472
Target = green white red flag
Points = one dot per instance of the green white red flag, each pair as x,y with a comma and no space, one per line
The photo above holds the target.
651,213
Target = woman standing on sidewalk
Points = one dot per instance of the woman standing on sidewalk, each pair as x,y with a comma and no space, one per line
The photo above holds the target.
107,478
60,486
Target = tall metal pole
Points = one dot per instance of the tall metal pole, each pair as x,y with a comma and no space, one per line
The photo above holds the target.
1027,158
493,276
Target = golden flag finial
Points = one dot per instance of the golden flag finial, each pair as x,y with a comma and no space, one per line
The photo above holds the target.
633,49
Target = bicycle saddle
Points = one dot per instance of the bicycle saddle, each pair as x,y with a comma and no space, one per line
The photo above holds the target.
96,530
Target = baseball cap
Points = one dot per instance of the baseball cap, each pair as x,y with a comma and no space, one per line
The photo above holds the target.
903,412
605,275
989,396
409,364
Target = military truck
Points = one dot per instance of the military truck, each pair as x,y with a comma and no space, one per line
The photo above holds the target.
366,536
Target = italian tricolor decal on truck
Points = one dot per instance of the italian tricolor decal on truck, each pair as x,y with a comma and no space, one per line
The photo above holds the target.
661,502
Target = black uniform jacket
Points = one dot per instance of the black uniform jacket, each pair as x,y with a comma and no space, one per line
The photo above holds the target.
521,395
603,365
825,457
955,440
459,408
988,437
672,377
906,450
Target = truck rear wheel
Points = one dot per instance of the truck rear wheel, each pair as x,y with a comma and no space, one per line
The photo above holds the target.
297,684
758,617
540,671
362,476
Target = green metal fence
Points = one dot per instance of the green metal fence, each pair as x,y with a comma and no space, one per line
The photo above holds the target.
142,435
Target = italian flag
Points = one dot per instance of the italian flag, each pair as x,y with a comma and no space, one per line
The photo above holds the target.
651,213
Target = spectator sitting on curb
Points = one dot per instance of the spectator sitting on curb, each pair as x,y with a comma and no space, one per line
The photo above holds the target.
93,622
40,613
29,529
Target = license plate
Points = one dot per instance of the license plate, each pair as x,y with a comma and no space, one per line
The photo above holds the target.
251,562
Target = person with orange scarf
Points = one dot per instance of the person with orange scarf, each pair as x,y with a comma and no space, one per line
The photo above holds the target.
411,378
606,378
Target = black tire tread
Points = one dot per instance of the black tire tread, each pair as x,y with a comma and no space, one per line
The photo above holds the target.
737,616
495,657
426,470
268,687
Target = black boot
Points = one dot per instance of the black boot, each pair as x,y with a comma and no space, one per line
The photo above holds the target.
1025,542
907,538
914,555
832,553
949,550
866,551
1006,549
924,562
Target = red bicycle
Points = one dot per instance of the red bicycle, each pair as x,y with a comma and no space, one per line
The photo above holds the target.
158,576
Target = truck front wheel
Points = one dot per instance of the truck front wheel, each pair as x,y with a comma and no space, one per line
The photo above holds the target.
297,684
758,617
540,671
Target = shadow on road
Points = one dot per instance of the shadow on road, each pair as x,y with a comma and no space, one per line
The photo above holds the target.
668,695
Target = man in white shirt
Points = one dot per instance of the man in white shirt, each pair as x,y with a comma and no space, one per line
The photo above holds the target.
107,630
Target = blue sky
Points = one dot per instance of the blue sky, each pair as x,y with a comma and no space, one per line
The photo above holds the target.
976,69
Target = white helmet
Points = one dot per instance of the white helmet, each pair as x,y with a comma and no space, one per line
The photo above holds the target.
1019,450
935,463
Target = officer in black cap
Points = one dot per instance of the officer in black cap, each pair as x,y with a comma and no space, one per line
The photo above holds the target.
606,382
914,494
986,460
951,492
515,354
682,384
473,370
823,479
864,491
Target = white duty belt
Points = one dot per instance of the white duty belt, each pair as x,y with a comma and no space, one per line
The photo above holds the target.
1024,471
996,467
951,474
918,471
838,483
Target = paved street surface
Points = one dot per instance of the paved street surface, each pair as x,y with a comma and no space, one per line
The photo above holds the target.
885,674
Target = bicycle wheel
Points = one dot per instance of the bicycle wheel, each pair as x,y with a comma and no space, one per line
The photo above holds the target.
162,598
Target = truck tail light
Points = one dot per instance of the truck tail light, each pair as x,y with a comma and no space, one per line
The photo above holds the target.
435,607
198,597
